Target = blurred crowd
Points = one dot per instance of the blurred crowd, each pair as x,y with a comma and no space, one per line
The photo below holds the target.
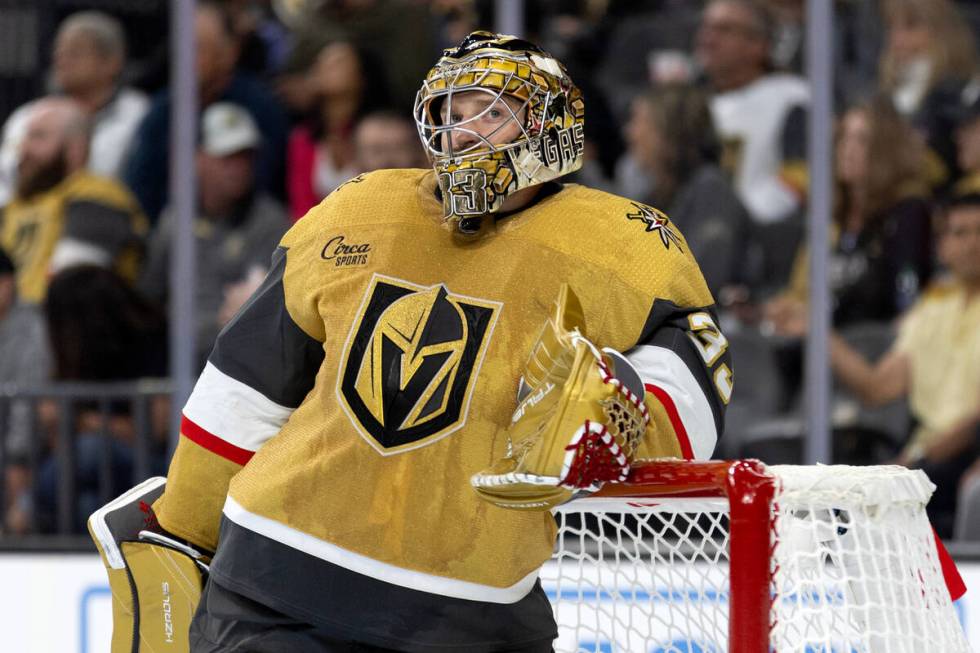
697,107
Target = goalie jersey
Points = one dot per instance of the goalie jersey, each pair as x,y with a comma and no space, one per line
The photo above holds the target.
341,414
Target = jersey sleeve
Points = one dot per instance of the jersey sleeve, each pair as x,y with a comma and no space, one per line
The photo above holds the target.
104,225
263,364
666,325
683,359
793,170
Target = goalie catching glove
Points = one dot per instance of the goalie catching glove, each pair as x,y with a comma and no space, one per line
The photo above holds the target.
578,422
156,580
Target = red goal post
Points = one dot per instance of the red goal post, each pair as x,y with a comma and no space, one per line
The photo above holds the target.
737,556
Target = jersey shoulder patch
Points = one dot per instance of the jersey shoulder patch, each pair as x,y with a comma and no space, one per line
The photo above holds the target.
630,218
642,245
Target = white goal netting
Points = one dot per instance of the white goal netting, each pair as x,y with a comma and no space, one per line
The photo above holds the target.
840,560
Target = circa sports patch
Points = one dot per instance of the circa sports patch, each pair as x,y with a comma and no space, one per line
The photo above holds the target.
410,362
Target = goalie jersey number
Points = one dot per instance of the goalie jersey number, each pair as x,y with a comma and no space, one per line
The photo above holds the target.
410,362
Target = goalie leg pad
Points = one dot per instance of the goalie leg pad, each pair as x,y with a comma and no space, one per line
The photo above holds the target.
167,584
156,581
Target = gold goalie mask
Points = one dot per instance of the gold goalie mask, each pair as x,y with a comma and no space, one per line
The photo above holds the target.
579,419
535,99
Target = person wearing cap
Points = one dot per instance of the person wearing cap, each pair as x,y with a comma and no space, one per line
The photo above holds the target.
62,214
237,228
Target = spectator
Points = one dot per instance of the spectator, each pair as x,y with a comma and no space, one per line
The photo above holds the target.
789,28
25,360
101,330
61,213
402,34
385,139
935,362
264,41
25,357
760,117
641,44
928,42
89,58
928,57
217,52
881,234
573,33
672,139
321,151
237,231
968,140
455,19
882,226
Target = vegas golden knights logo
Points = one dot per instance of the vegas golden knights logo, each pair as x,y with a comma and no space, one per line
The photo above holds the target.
410,363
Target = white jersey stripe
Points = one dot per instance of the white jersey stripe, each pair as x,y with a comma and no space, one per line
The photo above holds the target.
232,411
382,571
665,369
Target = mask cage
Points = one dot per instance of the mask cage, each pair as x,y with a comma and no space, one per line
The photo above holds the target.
435,100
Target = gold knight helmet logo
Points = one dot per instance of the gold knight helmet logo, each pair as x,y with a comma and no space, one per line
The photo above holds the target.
408,370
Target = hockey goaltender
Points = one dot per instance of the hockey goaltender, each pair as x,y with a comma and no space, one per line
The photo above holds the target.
368,460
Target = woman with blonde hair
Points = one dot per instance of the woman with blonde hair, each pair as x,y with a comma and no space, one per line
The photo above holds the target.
928,42
930,54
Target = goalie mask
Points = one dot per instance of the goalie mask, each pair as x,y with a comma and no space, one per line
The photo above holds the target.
497,114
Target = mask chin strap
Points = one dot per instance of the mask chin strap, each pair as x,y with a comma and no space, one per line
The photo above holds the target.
470,225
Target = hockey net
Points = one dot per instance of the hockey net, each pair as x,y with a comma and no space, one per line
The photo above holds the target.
708,557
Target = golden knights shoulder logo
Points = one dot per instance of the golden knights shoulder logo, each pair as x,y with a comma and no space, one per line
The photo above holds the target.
655,220
411,360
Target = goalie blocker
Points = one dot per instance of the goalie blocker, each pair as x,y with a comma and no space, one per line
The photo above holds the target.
155,579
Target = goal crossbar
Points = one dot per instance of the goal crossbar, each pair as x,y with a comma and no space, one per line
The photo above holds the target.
815,558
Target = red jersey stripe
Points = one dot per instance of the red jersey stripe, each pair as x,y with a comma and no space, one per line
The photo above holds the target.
213,443
675,419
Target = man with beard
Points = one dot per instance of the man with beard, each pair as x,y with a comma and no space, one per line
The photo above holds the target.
88,56
61,214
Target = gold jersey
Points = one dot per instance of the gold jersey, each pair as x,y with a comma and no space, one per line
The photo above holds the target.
84,218
346,407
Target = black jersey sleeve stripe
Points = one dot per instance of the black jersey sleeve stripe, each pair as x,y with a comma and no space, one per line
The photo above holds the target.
264,348
108,227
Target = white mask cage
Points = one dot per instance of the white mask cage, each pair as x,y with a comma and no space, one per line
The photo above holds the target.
448,134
